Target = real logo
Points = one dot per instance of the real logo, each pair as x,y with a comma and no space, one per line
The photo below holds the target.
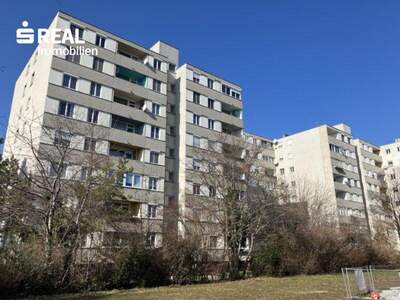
26,35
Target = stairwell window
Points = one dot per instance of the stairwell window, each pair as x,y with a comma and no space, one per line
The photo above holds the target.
100,41
95,89
156,85
93,115
155,132
66,109
69,81
98,64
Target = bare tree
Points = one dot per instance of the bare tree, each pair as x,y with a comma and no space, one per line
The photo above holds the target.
235,199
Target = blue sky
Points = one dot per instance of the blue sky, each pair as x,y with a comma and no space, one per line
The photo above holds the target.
300,63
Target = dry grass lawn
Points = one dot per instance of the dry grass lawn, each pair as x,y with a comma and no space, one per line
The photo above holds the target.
320,287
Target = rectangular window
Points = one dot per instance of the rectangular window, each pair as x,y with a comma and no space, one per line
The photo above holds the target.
76,31
196,119
196,165
151,240
196,98
98,64
59,170
196,141
132,180
75,58
156,85
235,95
155,132
93,115
213,242
282,171
151,211
66,109
154,157
100,40
226,89
196,189
292,169
210,83
89,144
95,89
210,103
62,138
153,183
196,78
86,172
210,124
172,130
211,191
157,64
155,108
171,153
69,81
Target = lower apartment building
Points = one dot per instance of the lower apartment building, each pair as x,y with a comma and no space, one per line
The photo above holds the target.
347,170
168,121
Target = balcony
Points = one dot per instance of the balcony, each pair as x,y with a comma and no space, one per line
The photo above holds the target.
128,99
126,151
127,125
130,75
131,52
231,110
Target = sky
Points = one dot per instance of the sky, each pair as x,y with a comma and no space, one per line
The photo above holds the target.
300,63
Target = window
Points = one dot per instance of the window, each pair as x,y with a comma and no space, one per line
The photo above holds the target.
69,81
173,88
154,157
62,138
196,119
153,183
59,170
95,89
235,95
172,130
98,64
387,151
66,109
196,165
32,79
390,163
172,67
155,132
75,58
100,40
211,191
89,144
210,83
172,109
132,180
196,98
293,183
226,89
211,103
292,169
155,108
156,85
171,176
151,240
196,141
196,78
93,115
210,124
24,90
171,153
213,242
76,31
196,189
86,172
282,171
157,64
151,211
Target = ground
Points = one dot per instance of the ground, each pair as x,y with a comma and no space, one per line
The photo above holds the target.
326,287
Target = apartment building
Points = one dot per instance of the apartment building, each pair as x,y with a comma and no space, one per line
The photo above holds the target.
117,104
391,161
132,102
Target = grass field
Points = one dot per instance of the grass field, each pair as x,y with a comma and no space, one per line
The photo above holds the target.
322,287
318,287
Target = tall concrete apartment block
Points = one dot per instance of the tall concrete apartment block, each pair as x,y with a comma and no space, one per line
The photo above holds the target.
142,105
349,170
